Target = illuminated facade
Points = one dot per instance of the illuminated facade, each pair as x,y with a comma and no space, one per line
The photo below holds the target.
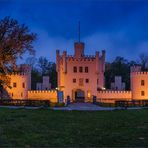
20,83
80,76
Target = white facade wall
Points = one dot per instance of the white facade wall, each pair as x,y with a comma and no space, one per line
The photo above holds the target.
139,91
66,74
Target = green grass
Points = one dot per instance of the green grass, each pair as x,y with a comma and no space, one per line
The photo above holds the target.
47,128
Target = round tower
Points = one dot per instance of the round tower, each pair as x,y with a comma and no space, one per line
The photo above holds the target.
138,83
19,86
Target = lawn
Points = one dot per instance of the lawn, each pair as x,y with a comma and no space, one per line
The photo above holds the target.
44,128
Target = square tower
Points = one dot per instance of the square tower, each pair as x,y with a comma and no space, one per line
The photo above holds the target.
80,76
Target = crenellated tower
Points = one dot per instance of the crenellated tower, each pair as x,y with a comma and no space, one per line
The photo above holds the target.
20,82
80,75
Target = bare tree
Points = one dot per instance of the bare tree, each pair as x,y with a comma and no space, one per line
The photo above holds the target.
15,40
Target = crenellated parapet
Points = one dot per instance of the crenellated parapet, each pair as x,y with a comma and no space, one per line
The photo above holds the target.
42,91
112,96
51,95
19,74
114,92
140,73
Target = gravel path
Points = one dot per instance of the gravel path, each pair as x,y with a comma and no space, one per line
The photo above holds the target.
83,106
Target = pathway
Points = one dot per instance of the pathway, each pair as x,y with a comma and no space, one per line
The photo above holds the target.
83,106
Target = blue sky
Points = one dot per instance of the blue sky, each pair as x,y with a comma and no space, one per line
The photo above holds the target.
120,26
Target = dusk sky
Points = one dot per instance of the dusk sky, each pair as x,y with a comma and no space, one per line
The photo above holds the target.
120,27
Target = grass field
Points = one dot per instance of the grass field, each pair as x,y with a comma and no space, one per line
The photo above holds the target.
44,128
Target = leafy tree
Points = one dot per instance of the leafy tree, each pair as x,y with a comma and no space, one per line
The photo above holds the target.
119,67
44,65
143,61
15,40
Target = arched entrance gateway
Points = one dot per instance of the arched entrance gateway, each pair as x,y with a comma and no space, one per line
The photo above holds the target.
79,95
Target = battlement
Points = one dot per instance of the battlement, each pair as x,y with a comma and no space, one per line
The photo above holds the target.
80,59
42,91
19,73
111,95
140,73
51,95
114,92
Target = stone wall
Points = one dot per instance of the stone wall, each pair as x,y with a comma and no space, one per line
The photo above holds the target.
139,85
112,96
19,85
51,95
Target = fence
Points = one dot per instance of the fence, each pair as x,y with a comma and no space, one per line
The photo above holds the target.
17,102
134,103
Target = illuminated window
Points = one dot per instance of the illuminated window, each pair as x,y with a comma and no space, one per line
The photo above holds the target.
81,82
142,93
86,69
75,69
142,82
80,69
23,85
14,84
88,94
74,80
87,80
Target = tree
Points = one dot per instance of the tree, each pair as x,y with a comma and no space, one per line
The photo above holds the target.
119,67
15,40
48,68
44,65
143,61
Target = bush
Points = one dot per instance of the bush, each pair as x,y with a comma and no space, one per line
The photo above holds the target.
57,104
105,104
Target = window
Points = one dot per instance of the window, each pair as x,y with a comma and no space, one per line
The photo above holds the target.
14,84
97,81
80,69
142,82
74,80
74,69
142,93
81,82
86,69
87,80
23,85
21,94
88,94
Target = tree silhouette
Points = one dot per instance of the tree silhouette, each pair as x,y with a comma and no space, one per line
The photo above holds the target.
15,40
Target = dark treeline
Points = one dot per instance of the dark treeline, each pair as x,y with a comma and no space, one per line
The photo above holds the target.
42,67
119,67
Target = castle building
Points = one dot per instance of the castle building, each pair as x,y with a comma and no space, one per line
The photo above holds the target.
139,83
80,76
20,83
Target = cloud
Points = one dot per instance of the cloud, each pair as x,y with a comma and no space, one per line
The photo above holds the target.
120,27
